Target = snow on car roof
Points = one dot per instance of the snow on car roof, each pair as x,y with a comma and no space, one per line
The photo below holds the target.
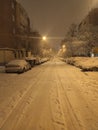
30,58
17,62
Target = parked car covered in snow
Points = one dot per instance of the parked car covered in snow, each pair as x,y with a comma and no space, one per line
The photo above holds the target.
38,60
31,60
44,60
18,66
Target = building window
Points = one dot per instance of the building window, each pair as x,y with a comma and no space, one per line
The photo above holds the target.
13,18
13,5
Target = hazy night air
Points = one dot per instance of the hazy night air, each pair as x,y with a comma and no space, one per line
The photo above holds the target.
53,17
49,65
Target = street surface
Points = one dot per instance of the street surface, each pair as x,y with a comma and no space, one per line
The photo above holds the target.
51,96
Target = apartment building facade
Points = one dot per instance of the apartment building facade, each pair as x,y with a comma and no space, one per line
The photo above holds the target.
14,24
14,28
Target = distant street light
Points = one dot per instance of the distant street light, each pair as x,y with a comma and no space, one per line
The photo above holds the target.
51,38
63,46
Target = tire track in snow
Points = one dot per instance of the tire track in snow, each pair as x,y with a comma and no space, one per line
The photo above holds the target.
19,96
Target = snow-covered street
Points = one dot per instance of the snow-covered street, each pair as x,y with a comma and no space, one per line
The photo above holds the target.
51,96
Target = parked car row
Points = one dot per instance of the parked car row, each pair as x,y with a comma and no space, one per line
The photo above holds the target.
44,60
20,66
36,60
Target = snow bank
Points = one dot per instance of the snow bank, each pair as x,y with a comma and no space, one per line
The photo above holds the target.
84,63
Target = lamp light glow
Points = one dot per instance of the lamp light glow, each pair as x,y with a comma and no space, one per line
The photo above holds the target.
44,38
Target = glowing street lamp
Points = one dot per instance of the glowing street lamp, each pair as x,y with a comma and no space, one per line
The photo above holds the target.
44,38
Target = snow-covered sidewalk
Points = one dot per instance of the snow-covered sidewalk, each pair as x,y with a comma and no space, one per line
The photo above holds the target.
84,63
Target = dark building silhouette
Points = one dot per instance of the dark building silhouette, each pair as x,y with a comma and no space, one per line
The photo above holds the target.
90,22
14,31
14,25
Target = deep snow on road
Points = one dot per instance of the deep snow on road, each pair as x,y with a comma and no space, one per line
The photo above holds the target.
52,96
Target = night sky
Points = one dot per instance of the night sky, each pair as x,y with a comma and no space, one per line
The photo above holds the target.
53,17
